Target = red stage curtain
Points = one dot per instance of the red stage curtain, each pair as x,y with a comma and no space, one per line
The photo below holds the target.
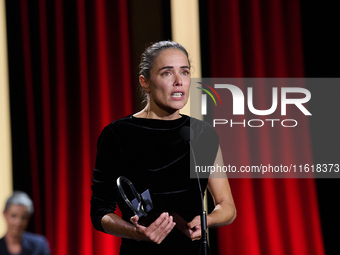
254,38
77,79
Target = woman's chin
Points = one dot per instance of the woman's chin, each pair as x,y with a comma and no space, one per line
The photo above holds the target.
16,233
179,104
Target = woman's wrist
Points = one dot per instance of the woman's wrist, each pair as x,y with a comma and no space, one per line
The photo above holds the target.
114,225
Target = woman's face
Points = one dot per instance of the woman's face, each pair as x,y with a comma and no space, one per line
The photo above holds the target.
17,219
169,82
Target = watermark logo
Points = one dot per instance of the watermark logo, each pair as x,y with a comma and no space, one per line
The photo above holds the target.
280,98
204,97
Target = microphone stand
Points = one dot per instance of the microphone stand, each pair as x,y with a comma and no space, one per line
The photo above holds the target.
204,236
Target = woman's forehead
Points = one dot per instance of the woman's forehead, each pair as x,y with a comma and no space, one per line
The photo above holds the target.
17,208
171,57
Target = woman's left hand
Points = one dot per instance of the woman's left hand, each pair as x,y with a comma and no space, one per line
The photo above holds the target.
194,227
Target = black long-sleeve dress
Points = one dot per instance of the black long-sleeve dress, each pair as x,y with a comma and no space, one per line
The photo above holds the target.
152,154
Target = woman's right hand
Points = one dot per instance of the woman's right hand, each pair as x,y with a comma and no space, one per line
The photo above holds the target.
156,231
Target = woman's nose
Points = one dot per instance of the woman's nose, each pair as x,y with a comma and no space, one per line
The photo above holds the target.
178,81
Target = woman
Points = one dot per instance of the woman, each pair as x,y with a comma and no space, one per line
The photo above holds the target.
147,149
18,209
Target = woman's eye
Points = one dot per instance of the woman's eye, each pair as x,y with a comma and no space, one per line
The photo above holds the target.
166,73
186,73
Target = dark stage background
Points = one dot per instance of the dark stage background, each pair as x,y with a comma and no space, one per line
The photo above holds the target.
321,53
73,69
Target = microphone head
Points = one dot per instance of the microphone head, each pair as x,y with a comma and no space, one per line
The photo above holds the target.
186,133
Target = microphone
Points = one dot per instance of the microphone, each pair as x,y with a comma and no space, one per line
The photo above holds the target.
187,135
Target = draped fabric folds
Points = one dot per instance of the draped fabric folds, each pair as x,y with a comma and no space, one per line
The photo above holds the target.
254,38
74,57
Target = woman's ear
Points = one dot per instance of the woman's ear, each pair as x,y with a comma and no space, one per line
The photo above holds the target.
144,83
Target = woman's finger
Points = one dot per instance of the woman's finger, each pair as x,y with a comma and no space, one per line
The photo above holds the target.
160,228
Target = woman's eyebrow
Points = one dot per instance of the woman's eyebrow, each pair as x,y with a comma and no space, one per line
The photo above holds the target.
165,67
170,67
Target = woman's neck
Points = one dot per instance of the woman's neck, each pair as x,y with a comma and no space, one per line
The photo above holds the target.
13,243
148,113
